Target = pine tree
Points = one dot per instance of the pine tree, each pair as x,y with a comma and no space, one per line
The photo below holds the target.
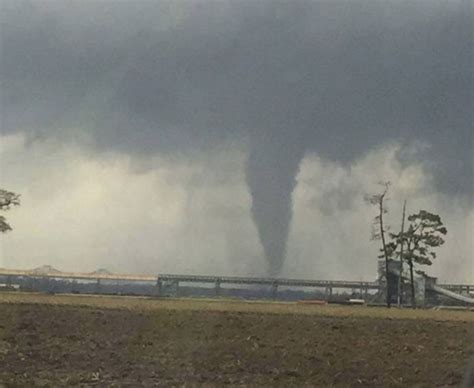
8,199
424,233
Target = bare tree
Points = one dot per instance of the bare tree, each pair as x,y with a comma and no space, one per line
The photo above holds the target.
8,199
400,276
378,231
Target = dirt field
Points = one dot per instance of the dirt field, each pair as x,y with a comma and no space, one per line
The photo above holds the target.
76,340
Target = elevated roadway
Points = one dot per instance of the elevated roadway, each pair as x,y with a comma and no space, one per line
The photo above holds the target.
47,272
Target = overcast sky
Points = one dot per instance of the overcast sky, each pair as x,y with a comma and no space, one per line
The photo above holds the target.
233,137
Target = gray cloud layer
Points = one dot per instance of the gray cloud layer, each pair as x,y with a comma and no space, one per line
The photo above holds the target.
337,77
285,78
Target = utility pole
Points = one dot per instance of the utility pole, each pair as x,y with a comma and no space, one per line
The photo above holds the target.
382,235
400,282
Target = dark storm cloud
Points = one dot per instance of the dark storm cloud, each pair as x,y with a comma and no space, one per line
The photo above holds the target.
333,77
338,76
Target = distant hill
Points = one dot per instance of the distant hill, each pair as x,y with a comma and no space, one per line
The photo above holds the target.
45,269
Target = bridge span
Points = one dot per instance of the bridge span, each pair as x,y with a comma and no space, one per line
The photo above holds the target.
12,276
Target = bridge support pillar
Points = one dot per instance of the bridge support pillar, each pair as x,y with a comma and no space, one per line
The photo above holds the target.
328,293
274,290
177,287
50,285
158,287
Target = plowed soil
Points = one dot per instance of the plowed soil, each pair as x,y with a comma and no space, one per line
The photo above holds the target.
104,341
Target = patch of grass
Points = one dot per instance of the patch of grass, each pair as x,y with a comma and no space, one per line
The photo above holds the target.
231,305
